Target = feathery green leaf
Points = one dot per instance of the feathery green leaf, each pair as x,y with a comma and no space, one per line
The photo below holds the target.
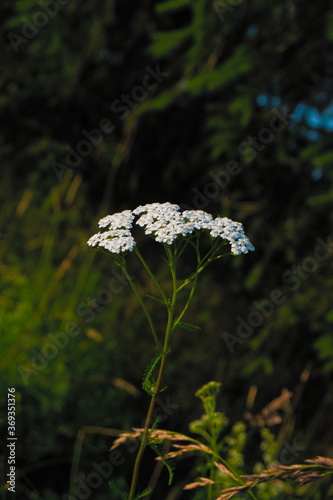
148,381
188,326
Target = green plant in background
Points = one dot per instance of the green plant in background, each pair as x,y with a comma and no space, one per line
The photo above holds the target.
176,231
209,427
226,478
220,473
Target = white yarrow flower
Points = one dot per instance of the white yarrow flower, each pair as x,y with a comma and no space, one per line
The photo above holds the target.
198,218
120,220
233,232
165,223
156,208
115,240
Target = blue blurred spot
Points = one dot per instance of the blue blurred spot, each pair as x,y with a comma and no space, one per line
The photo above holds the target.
262,100
313,118
316,174
299,111
252,31
328,123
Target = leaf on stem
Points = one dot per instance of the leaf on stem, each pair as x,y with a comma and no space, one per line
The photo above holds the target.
117,490
158,447
148,382
188,326
143,493
155,298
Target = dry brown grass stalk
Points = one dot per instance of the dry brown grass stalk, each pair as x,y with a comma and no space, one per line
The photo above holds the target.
302,474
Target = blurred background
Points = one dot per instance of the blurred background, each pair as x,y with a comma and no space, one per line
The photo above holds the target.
224,106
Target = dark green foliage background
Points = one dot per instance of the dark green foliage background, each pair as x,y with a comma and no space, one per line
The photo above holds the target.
219,62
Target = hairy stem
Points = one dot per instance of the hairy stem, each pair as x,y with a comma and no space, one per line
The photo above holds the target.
157,387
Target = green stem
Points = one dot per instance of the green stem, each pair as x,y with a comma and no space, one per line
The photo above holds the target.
171,324
151,274
143,305
197,272
195,280
213,473
202,264
157,387
217,457
181,247
187,303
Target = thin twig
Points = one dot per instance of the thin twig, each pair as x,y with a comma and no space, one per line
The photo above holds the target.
78,448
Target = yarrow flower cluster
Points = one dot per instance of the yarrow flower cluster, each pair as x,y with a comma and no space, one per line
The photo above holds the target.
118,238
120,220
233,232
165,223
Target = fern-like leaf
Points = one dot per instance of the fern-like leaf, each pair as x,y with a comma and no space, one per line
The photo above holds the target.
124,496
155,298
157,446
143,493
188,326
148,381
116,489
